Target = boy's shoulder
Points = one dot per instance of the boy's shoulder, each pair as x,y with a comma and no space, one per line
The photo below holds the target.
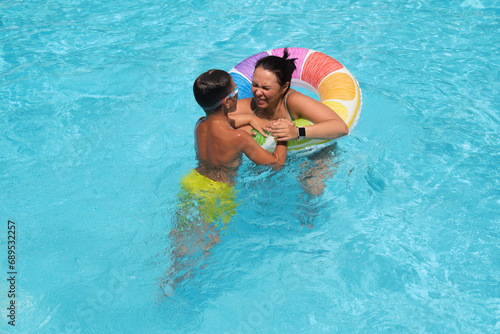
201,119
218,125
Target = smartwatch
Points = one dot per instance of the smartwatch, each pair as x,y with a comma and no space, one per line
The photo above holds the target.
302,132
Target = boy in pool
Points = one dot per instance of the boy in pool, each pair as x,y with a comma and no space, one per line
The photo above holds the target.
206,192
207,199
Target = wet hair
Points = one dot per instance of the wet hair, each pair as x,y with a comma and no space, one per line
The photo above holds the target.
283,67
211,87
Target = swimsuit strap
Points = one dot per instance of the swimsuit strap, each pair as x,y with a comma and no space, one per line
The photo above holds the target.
286,105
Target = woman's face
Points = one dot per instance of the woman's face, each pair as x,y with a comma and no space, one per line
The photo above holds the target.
265,88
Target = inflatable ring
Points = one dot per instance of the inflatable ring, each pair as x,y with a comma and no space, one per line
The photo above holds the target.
335,86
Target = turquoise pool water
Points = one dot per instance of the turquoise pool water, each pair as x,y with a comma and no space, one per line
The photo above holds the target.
96,130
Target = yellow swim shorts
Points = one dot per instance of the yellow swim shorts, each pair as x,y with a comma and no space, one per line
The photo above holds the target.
202,199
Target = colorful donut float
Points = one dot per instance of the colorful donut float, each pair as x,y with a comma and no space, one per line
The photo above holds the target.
317,72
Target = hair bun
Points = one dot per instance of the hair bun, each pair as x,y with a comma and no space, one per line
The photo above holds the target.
285,54
290,61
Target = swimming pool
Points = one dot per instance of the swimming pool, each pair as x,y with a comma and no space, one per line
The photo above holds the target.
96,130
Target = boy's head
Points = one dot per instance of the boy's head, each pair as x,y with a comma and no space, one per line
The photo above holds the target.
212,87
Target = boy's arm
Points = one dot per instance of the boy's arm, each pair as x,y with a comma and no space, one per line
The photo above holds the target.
240,120
259,155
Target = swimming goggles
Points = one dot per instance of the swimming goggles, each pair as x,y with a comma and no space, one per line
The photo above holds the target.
234,93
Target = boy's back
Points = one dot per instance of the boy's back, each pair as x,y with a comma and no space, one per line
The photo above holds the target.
217,142
218,156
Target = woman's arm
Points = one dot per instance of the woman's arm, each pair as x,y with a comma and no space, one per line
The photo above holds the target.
327,124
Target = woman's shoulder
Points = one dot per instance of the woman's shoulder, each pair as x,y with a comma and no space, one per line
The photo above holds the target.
244,106
296,101
303,106
294,96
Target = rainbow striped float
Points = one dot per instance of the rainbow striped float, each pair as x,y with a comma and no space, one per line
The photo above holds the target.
335,86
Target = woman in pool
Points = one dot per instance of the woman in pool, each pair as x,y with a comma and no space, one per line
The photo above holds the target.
274,105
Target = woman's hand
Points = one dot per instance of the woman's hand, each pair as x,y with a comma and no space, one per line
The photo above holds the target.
260,125
283,130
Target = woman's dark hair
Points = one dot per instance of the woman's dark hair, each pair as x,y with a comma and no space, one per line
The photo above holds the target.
281,66
211,87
